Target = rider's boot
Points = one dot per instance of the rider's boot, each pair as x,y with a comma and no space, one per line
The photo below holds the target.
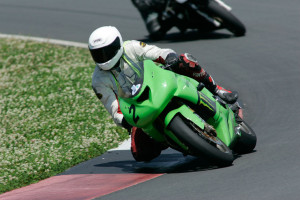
226,95
189,66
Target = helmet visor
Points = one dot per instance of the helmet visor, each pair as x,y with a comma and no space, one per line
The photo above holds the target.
104,54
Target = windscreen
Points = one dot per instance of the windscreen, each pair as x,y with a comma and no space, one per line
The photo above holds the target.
130,80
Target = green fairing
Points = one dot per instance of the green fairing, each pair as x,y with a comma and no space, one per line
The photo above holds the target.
151,95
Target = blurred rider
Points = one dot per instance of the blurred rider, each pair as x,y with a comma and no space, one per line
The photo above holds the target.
112,55
150,11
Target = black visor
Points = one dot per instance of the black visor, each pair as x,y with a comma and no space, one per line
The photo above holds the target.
106,53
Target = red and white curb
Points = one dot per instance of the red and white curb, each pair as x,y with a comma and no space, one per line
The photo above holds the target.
77,187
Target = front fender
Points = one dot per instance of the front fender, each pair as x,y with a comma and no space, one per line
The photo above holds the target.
186,112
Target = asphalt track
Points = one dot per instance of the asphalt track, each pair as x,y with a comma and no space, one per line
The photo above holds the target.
264,66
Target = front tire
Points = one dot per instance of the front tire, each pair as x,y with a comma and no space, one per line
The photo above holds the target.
200,143
226,18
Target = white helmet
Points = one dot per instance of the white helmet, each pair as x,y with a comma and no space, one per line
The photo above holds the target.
106,46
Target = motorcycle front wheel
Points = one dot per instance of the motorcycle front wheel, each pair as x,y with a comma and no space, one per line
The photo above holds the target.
226,18
200,143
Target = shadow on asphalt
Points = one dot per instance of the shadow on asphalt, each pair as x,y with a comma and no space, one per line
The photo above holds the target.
122,162
165,163
189,36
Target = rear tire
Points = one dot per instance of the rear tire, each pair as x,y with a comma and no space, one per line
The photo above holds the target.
226,18
247,141
211,147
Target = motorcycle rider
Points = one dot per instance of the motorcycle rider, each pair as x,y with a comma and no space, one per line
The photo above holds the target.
112,55
150,10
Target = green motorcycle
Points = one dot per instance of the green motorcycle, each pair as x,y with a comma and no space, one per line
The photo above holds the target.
178,111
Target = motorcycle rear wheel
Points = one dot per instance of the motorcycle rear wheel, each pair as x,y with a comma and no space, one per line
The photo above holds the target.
226,18
201,144
247,141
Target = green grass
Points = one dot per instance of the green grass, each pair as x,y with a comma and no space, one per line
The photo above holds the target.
50,118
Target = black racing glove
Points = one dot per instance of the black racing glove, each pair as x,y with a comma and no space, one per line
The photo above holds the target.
172,61
126,125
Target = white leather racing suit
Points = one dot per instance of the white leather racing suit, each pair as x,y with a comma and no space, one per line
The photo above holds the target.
103,81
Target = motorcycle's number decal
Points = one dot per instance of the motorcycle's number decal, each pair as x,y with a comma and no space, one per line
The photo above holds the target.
135,118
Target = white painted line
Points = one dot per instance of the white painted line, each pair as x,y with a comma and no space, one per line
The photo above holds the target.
46,40
126,145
